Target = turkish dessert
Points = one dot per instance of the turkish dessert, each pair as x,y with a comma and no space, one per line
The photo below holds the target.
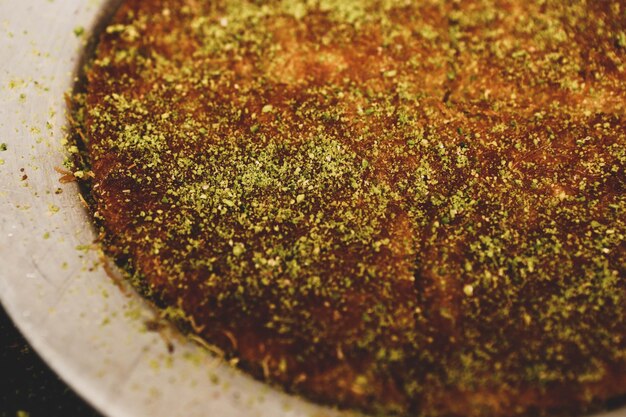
412,207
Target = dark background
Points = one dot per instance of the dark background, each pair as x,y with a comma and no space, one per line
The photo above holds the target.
27,386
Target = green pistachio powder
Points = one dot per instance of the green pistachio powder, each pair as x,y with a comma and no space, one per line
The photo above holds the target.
530,249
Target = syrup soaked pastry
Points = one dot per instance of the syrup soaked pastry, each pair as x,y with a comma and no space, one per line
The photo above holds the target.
399,206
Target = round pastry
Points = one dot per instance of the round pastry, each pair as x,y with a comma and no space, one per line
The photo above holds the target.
415,207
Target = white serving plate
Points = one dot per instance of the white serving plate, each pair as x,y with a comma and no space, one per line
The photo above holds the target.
54,286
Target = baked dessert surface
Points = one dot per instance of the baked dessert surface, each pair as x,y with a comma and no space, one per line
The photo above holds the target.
413,207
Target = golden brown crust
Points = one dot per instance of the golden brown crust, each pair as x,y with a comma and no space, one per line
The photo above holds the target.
400,206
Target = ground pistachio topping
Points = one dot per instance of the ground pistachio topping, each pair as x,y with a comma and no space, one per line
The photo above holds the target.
415,207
